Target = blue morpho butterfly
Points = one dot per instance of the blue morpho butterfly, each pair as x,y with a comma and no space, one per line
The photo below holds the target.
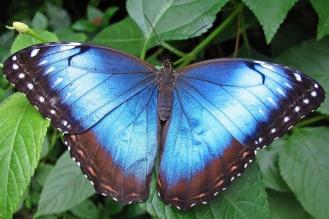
117,112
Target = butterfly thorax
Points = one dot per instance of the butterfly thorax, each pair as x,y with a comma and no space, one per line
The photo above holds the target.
166,85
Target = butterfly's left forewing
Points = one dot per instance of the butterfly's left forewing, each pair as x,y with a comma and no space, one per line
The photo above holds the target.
75,85
223,110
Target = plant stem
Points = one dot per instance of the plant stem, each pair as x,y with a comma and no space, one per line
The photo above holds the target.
143,52
173,50
238,32
191,56
35,35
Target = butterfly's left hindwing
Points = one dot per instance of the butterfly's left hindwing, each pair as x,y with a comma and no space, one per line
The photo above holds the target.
223,110
117,154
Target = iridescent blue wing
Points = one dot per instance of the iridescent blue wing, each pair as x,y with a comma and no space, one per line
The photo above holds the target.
223,110
117,154
104,100
76,85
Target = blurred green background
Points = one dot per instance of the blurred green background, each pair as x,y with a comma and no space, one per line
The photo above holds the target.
290,179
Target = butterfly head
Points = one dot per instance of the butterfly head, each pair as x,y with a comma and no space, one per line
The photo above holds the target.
166,61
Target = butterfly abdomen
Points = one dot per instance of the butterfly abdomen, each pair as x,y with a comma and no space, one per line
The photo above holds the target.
166,86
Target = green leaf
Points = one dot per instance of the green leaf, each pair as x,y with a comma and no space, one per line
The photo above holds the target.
64,188
58,17
109,13
124,35
322,8
22,130
84,26
268,162
245,198
39,21
173,20
22,40
286,206
86,210
94,13
68,35
311,57
42,173
270,14
304,166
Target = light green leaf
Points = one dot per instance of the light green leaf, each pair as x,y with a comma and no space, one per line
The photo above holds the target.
270,14
84,26
39,21
286,206
22,131
173,19
268,161
68,35
311,57
22,40
94,13
322,8
245,198
58,17
64,188
124,35
304,166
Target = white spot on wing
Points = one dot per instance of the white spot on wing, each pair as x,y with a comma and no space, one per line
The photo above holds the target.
14,58
306,101
41,99
52,111
298,77
273,130
316,85
313,93
286,119
34,52
30,86
15,66
297,108
21,75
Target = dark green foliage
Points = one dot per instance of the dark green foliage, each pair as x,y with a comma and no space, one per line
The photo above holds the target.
290,178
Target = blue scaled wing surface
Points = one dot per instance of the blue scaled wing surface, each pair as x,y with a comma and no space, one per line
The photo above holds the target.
104,101
223,110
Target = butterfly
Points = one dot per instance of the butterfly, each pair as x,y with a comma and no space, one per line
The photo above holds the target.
120,116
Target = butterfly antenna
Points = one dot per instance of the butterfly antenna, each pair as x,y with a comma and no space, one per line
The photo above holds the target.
156,35
197,31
